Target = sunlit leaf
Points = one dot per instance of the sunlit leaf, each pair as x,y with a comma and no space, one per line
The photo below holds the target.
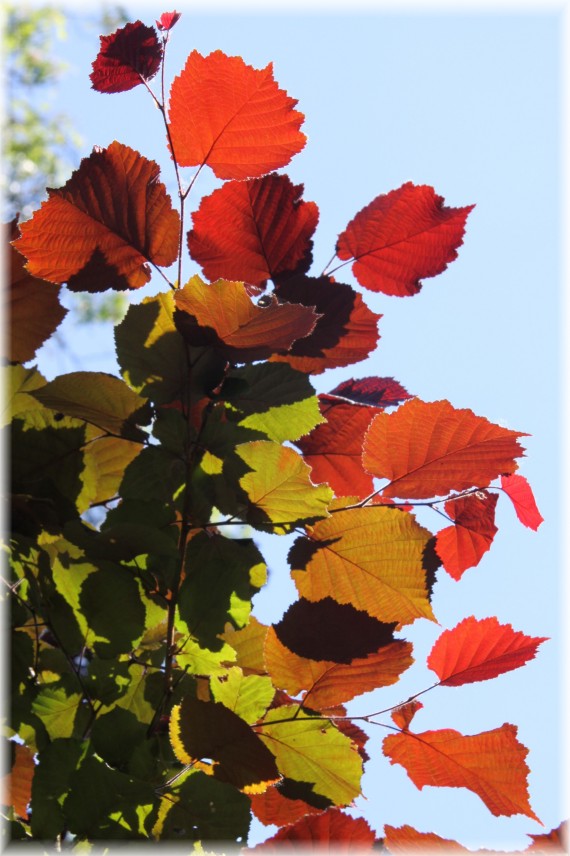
208,730
555,841
406,839
279,487
369,557
98,398
32,307
342,832
480,649
128,56
402,237
167,20
326,684
57,710
222,316
491,764
429,449
404,714
248,644
273,807
334,449
462,545
232,117
248,696
267,230
346,332
17,785
104,225
312,750
520,493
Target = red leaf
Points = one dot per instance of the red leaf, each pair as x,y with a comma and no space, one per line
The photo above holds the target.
555,841
463,545
480,649
32,306
491,764
232,117
429,449
272,807
404,714
167,20
346,333
99,230
520,493
375,391
406,839
315,831
125,58
402,237
267,230
238,328
334,449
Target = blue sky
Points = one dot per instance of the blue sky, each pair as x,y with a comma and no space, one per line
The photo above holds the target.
470,103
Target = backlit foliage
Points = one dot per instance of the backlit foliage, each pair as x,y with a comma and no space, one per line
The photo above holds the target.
148,703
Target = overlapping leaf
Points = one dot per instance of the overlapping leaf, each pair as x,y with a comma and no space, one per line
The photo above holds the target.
17,786
480,649
340,831
491,764
346,332
375,391
208,730
274,807
326,683
222,316
253,230
312,750
104,225
404,714
334,449
369,557
402,237
248,696
279,487
520,493
232,117
33,308
126,58
429,449
462,545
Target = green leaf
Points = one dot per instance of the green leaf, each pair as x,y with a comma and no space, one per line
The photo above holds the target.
154,474
274,399
100,399
203,809
222,576
248,696
116,734
110,600
56,762
150,351
279,487
57,710
313,750
19,384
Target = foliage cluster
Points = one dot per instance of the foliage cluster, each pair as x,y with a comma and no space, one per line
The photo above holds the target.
148,702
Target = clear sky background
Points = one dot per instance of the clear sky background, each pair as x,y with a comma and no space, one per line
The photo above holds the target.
469,101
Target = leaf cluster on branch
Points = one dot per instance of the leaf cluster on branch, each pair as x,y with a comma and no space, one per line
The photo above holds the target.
148,703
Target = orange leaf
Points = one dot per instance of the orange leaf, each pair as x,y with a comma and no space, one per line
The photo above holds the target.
520,493
328,684
267,230
248,644
17,785
429,449
102,227
402,237
238,328
369,557
273,807
33,308
232,117
555,841
491,764
406,839
463,545
314,832
480,649
334,449
404,714
346,332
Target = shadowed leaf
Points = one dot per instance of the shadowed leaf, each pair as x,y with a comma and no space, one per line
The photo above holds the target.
463,545
375,391
126,57
344,833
